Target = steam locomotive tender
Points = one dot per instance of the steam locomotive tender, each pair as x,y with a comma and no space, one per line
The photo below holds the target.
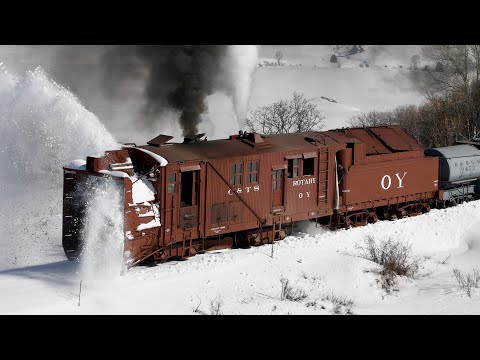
250,189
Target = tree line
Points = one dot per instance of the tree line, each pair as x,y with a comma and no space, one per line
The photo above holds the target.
451,106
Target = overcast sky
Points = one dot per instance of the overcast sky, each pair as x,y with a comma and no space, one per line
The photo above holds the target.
304,54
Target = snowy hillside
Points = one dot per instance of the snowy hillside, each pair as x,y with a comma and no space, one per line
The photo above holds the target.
393,56
355,90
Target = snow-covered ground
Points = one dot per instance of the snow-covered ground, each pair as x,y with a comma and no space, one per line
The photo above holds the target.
43,126
321,262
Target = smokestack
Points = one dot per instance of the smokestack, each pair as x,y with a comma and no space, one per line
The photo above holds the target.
187,140
192,140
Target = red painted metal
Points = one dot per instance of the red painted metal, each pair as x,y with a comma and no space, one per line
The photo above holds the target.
234,191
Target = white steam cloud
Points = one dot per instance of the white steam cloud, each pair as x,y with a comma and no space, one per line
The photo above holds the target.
239,65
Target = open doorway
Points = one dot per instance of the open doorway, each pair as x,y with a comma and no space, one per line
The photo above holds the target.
187,194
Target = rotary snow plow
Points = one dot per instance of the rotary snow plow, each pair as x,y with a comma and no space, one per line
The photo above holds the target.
134,183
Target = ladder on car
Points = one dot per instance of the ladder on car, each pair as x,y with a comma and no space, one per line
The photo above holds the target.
277,227
323,174
187,246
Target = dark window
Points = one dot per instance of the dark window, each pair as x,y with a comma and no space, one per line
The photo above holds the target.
236,174
143,168
186,197
308,166
172,186
293,168
277,180
252,172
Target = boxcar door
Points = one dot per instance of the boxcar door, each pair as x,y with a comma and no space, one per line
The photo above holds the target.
189,199
278,182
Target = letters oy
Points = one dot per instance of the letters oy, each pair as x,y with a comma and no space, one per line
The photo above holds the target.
387,181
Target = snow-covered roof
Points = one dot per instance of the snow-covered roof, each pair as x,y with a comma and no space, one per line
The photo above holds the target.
161,160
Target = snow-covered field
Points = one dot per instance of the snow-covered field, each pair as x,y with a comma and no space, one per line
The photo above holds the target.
323,263
44,126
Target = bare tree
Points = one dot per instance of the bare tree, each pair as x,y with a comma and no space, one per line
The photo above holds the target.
457,111
475,49
415,60
279,57
271,119
452,99
434,123
304,114
372,118
460,65
286,116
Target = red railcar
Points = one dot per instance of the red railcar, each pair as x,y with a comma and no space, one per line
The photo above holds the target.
250,189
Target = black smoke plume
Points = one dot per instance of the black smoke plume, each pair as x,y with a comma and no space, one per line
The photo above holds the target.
178,77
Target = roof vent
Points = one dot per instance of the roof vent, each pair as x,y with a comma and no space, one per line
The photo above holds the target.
159,140
255,140
194,139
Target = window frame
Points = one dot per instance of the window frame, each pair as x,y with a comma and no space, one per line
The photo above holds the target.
235,174
294,167
172,183
251,171
312,159
277,179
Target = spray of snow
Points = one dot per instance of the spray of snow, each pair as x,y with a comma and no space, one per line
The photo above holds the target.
78,164
102,235
239,66
42,127
114,173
